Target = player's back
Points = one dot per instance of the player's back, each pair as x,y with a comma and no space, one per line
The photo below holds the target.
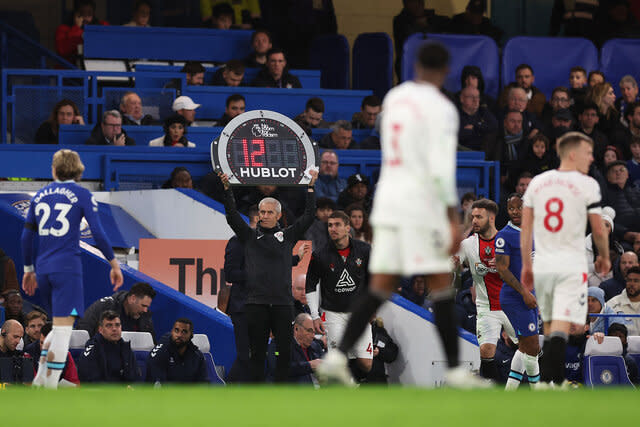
560,201
419,140
57,210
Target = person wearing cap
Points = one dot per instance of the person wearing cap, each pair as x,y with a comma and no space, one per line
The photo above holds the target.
340,137
357,191
184,106
472,21
560,98
596,305
615,249
624,198
175,129
561,123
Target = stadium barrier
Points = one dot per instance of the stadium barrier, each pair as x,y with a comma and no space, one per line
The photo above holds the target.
608,317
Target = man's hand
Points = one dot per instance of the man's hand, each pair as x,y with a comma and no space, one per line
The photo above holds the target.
314,177
529,299
78,120
602,265
376,351
315,363
318,326
225,180
29,283
115,275
120,140
599,337
303,250
526,278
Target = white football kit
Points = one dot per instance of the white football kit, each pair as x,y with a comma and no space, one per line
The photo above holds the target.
417,182
561,202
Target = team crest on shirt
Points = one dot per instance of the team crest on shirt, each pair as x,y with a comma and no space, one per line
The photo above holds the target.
279,236
487,250
22,206
359,262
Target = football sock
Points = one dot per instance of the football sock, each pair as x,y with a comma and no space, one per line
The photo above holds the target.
517,371
42,362
489,369
545,369
556,355
532,368
445,319
362,312
57,354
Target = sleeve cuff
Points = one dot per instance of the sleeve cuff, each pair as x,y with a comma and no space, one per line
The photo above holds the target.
28,269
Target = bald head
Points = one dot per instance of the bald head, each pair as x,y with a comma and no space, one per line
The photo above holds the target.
12,332
627,260
298,288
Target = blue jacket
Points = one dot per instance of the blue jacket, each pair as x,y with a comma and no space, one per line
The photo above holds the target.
329,187
106,362
166,365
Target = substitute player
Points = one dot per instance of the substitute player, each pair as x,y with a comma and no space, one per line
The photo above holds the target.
518,303
557,204
341,269
415,218
55,215
478,251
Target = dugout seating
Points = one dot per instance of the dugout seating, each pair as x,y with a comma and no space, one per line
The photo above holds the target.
603,364
202,342
633,348
79,338
141,345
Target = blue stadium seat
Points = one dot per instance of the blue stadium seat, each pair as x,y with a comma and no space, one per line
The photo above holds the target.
619,57
202,342
155,102
141,345
79,338
480,51
329,53
373,63
633,348
603,364
550,57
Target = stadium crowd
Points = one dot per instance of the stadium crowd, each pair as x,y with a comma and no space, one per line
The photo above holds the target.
519,129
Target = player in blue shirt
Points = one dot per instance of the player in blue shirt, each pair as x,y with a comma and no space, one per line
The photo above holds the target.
54,218
518,303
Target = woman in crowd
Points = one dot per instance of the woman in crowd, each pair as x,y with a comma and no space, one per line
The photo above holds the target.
175,128
69,36
360,227
603,96
65,112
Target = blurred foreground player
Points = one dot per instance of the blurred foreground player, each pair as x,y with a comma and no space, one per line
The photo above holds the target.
419,139
55,214
557,204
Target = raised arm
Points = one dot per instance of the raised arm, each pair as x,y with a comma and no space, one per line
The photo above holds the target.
303,223
235,221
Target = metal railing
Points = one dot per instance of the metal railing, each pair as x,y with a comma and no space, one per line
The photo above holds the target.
608,316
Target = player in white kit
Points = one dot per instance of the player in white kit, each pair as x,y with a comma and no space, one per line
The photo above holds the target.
557,205
415,216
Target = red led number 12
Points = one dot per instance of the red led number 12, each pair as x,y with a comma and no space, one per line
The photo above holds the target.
250,159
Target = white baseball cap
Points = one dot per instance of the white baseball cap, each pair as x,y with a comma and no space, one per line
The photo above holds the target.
184,103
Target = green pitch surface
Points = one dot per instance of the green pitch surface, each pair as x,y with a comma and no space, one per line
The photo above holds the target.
328,407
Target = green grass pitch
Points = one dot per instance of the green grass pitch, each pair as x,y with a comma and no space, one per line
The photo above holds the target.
327,407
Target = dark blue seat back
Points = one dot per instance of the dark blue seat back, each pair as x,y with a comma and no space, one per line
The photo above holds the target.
330,55
480,51
550,57
211,370
619,57
373,63
605,371
141,361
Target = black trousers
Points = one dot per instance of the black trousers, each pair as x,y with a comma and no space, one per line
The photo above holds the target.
239,372
261,319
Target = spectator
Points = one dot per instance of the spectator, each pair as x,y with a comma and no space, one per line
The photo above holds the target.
298,292
235,105
8,276
109,131
477,125
261,44
69,377
180,178
318,233
340,138
141,14
15,307
596,305
560,99
384,351
230,74
615,250
33,323
69,36
517,101
21,370
275,73
414,18
184,106
622,135
509,147
369,110
175,129
357,191
595,77
472,21
633,164
538,158
329,184
65,112
603,96
312,116
574,19
220,17
107,358
628,301
561,123
624,198
636,245
472,76
578,85
466,201
176,359
629,91
616,284
619,330
246,13
415,290
194,71
132,308
587,123
525,79
359,220
611,154
131,109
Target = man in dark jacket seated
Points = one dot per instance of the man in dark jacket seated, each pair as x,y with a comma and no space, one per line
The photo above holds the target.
624,198
275,73
177,359
107,358
109,131
615,285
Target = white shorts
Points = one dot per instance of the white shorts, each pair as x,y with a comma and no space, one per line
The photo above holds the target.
562,296
410,251
489,324
335,324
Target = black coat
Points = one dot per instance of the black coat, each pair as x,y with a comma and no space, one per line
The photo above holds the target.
97,137
146,120
103,361
45,134
264,79
626,202
166,365
299,368
387,353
